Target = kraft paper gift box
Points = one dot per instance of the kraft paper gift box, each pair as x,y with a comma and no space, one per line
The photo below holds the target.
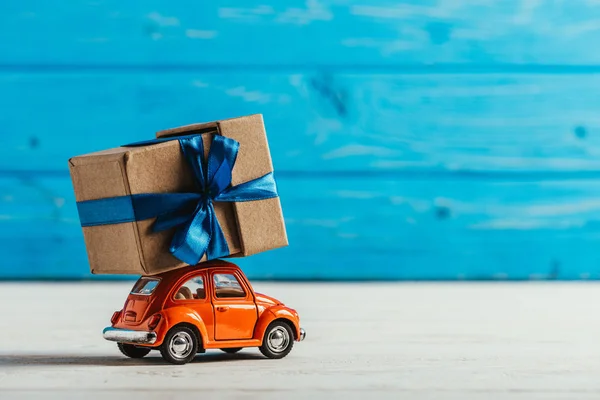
116,188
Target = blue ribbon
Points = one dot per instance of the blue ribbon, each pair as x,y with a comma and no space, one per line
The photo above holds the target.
198,230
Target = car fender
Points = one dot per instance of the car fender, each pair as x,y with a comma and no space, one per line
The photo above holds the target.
273,313
176,315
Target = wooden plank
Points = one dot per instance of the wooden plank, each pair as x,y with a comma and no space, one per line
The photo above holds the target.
357,228
299,33
365,340
316,122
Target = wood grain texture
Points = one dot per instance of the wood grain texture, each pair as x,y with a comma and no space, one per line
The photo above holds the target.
420,139
299,32
317,122
358,229
467,341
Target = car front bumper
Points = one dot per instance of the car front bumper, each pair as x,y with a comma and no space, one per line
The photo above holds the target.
128,336
302,335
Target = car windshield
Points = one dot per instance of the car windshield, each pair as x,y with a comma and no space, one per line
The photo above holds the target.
145,286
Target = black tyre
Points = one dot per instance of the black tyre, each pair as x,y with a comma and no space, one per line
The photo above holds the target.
278,340
180,345
132,351
232,350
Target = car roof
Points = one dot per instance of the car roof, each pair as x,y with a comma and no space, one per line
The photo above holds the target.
179,272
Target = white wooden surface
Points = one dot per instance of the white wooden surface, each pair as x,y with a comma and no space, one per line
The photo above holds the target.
413,341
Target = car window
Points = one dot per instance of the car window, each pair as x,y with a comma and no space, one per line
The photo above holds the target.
145,286
193,289
227,285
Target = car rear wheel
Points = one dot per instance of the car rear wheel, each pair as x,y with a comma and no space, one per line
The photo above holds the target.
232,350
180,345
132,351
277,341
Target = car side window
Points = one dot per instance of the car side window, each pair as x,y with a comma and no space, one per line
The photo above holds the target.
227,286
193,289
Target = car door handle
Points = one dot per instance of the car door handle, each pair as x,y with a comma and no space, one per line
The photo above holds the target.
222,308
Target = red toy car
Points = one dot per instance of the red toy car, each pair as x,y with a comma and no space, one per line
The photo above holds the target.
209,306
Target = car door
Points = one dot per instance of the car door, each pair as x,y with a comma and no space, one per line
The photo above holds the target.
234,307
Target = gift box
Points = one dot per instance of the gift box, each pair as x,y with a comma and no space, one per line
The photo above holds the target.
194,193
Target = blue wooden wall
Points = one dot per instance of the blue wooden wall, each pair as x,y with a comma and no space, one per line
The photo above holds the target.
423,139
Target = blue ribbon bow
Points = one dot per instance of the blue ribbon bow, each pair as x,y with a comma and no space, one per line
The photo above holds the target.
198,230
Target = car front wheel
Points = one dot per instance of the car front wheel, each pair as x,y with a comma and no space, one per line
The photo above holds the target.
277,341
180,345
132,351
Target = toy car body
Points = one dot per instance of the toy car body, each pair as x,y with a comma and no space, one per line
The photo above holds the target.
210,306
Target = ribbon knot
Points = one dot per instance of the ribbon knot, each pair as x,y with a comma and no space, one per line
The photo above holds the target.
198,230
